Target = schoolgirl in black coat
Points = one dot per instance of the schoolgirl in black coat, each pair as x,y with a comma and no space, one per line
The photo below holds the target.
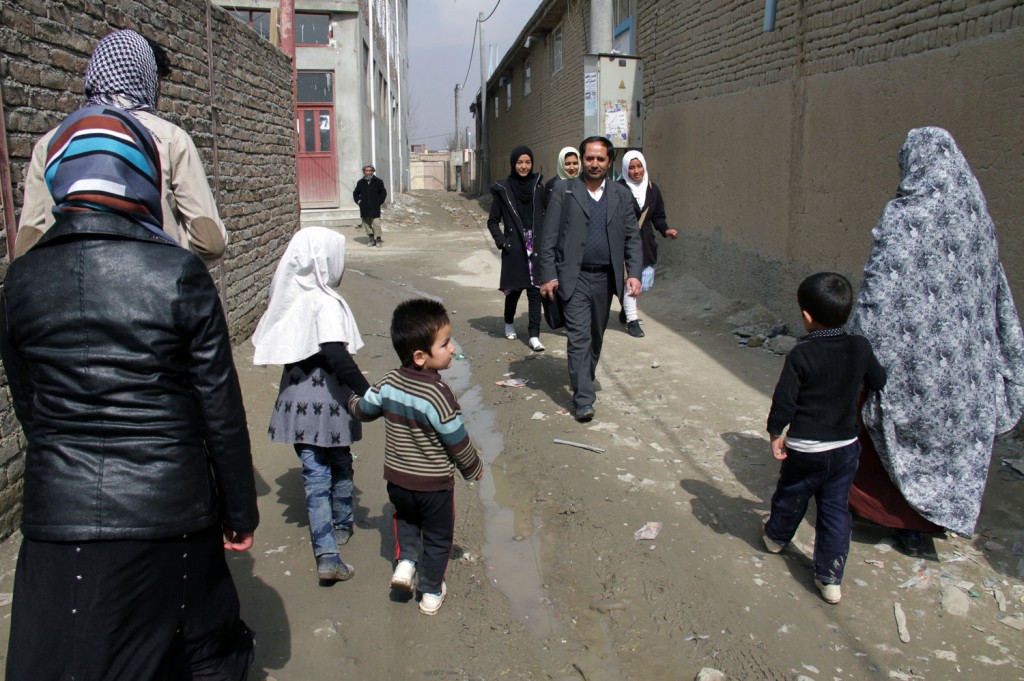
518,203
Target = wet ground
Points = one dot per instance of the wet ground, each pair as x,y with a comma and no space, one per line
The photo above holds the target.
548,580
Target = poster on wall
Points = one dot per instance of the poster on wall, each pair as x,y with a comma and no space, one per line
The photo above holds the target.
589,94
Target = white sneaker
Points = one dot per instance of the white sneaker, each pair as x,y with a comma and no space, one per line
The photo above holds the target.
431,603
510,331
830,592
769,543
536,345
405,573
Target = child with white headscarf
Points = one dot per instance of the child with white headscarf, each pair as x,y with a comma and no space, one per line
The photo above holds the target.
310,329
650,215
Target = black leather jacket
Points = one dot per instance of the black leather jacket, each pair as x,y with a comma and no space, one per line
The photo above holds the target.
119,363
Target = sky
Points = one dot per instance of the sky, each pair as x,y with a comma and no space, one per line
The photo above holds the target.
440,44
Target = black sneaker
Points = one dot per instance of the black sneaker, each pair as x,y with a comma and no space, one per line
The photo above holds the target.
585,414
342,535
634,330
331,568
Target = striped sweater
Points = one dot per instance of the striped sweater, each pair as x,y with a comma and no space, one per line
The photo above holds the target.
425,438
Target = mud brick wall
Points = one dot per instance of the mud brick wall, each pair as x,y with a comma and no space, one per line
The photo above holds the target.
777,151
44,48
551,116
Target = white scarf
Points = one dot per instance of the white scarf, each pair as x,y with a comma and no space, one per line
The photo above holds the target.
304,310
639,189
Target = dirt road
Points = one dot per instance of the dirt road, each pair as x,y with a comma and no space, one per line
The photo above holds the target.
547,580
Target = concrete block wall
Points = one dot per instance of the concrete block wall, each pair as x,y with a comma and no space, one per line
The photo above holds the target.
44,48
777,151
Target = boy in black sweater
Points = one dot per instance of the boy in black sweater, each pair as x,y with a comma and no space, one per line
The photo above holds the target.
817,397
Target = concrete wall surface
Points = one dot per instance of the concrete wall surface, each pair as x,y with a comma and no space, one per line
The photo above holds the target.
245,137
777,151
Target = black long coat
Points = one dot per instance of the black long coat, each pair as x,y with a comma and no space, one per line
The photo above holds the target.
511,241
370,195
655,220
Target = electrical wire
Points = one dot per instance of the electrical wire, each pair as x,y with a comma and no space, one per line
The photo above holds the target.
472,50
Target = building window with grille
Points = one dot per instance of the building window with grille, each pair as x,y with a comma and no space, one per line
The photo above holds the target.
556,50
527,78
257,20
312,29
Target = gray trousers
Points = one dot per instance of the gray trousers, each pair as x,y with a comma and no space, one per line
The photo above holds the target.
586,318
372,227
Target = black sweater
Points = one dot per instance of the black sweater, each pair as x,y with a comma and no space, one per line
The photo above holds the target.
820,383
334,358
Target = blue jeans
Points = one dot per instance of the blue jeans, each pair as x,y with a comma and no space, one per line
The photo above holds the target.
327,478
826,476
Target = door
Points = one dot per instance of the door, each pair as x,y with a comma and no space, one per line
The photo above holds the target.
316,158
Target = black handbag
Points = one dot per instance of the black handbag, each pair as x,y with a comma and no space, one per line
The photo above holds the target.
553,307
553,311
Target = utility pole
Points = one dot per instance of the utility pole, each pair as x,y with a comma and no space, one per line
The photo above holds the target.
601,26
458,134
485,167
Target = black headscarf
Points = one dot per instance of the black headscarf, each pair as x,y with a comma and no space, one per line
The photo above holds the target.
522,187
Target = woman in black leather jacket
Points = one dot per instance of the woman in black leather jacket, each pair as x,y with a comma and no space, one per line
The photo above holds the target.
138,472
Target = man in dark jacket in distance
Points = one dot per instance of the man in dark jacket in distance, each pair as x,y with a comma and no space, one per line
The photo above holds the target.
370,194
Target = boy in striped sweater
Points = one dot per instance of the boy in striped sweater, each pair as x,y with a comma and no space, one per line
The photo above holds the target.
425,440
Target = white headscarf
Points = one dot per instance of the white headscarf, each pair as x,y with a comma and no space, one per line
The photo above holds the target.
639,189
562,173
305,311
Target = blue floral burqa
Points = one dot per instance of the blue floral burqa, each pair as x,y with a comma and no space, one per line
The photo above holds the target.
938,311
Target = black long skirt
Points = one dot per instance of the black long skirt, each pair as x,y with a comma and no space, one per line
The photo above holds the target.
163,609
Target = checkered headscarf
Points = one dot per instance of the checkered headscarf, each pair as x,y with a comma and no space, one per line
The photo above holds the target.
122,72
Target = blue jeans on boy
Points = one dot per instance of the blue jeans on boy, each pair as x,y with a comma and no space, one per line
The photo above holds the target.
826,476
327,478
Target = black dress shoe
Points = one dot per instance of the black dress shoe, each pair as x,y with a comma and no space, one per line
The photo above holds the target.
634,330
910,542
584,414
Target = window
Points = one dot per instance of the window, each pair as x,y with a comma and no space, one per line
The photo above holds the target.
312,29
556,50
257,20
508,95
315,87
527,85
495,106
622,11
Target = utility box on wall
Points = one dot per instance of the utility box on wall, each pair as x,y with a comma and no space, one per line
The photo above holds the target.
612,91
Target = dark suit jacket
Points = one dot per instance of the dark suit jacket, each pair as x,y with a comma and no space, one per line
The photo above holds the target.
562,245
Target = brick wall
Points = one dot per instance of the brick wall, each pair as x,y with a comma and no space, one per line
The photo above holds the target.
44,48
551,116
776,152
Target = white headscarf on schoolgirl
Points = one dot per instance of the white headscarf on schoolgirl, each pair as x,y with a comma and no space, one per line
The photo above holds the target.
562,172
305,311
639,189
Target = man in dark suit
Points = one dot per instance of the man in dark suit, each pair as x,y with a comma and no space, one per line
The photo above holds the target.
590,232
370,195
